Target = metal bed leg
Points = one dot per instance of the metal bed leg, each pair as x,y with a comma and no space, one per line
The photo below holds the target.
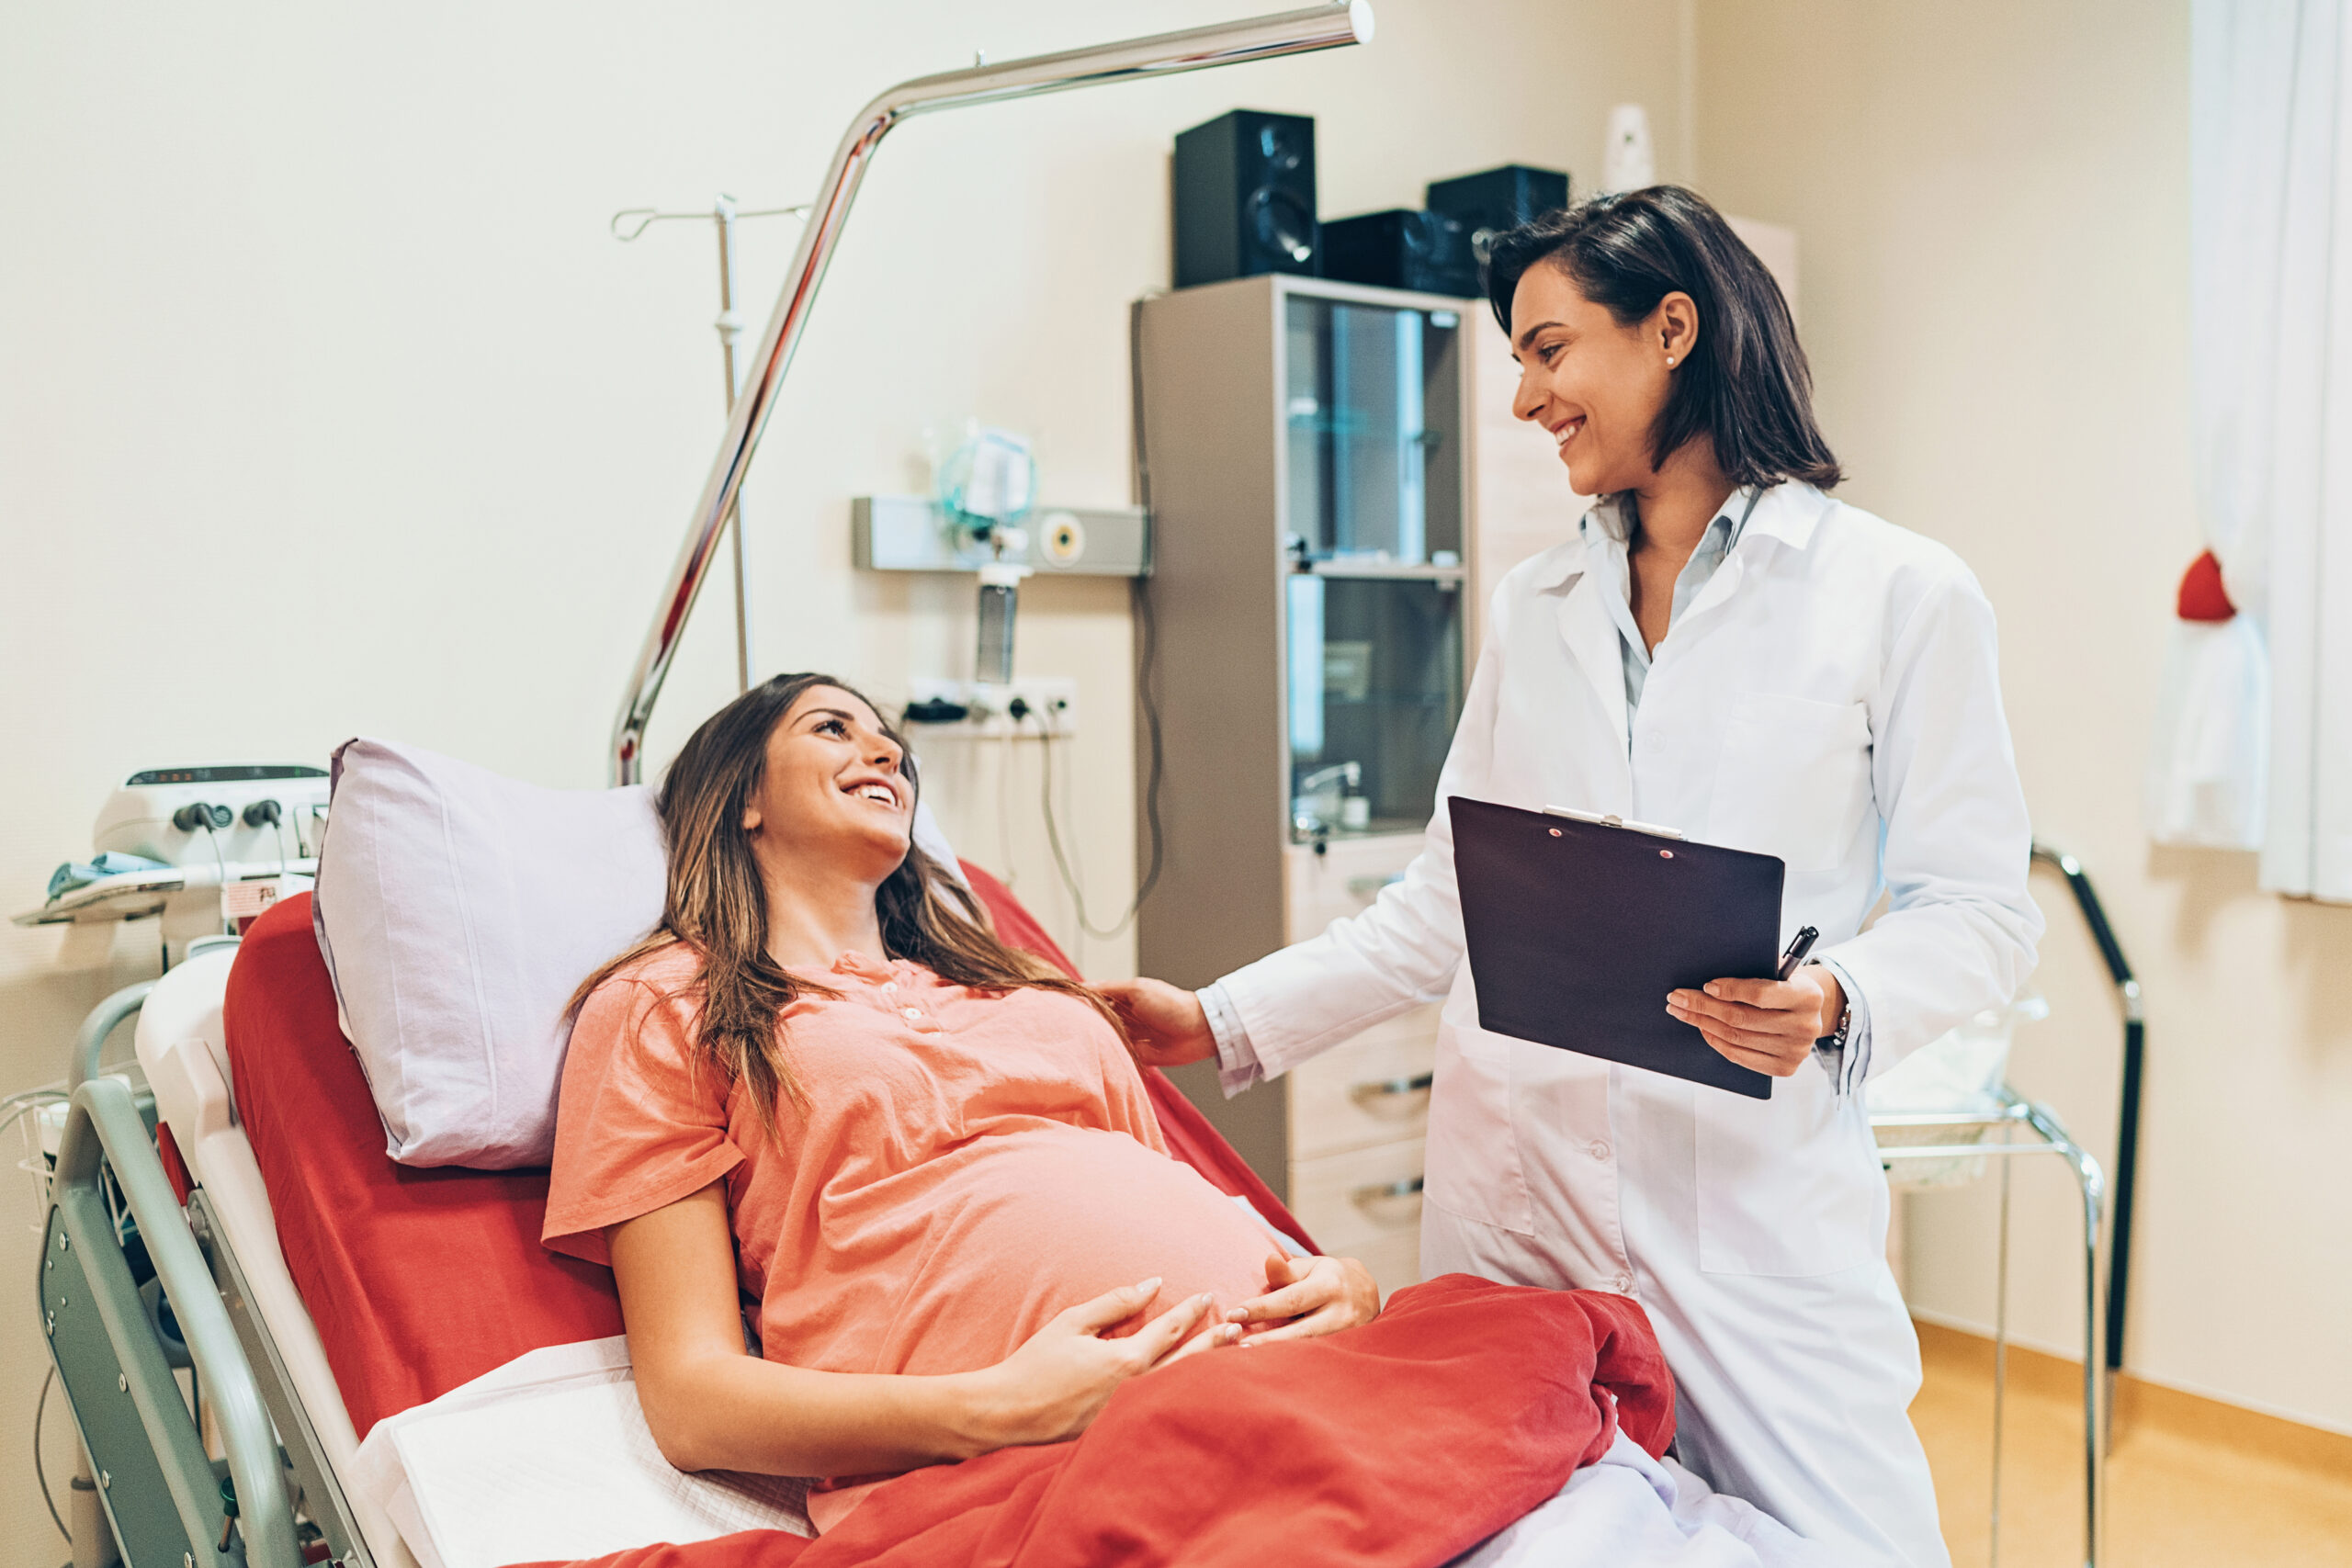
94,1543
2000,1363
2086,1174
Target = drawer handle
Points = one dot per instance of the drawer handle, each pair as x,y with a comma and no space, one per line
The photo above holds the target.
1408,1188
1383,1089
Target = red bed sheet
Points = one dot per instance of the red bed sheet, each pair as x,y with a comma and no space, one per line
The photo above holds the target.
1400,1444
422,1279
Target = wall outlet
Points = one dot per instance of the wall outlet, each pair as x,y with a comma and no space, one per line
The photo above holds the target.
1028,707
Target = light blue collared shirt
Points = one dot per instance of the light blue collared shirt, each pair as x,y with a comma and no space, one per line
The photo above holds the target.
1606,538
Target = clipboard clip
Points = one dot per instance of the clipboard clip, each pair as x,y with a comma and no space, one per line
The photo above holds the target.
1611,819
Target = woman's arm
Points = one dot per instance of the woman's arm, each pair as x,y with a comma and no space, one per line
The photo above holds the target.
712,1407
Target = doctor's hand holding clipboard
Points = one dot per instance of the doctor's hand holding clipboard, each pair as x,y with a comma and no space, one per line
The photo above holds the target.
1577,924
1812,695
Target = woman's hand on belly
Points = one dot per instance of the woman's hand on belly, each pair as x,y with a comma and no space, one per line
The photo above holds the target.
1053,1387
1307,1296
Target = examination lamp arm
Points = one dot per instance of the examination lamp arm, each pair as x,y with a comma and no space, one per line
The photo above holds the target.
1195,49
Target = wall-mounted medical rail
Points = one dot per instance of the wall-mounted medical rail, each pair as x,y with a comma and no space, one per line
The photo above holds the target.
1225,43
2127,1131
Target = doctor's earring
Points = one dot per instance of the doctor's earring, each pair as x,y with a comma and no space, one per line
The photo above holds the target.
1669,359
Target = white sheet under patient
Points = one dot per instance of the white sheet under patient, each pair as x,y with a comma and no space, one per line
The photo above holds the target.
550,1458
1628,1510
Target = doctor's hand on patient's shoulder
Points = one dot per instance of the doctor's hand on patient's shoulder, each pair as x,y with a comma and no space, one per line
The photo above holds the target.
1166,1026
1307,1296
1052,1388
1768,1025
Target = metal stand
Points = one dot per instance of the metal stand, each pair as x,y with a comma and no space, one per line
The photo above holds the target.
627,226
1195,49
2011,1117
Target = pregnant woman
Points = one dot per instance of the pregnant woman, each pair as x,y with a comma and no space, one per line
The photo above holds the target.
823,1082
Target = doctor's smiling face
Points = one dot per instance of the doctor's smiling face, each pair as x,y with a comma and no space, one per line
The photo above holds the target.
1656,349
1596,384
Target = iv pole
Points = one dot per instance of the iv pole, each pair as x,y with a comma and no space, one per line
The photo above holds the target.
1330,26
627,226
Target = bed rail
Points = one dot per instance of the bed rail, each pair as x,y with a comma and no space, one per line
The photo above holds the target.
157,1485
1197,49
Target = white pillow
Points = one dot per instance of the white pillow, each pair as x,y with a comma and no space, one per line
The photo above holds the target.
548,1459
458,911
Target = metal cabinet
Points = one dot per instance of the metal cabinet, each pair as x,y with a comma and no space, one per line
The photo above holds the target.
1306,444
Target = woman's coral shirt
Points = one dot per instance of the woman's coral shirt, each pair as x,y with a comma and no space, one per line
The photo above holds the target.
959,1167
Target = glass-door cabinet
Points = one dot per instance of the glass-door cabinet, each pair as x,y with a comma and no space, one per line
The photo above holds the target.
1372,519
1302,445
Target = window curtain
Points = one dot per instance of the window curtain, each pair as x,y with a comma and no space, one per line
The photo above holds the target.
2254,742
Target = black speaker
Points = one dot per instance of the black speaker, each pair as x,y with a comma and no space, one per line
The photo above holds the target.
1245,198
1404,249
1496,199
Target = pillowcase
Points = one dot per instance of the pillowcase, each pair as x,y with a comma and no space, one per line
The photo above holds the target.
456,911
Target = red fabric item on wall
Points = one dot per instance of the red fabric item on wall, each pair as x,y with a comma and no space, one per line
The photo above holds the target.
1404,1442
1187,1132
2202,596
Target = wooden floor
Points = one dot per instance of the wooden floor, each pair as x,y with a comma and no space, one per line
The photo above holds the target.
2190,1482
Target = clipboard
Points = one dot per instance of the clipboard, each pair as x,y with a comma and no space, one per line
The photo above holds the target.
1577,927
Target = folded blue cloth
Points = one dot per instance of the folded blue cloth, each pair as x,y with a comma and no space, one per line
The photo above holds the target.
80,873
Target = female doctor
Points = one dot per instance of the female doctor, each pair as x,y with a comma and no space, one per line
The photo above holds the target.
1724,649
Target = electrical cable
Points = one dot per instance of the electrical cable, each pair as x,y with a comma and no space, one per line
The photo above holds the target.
1061,857
1138,592
228,926
40,1472
1004,811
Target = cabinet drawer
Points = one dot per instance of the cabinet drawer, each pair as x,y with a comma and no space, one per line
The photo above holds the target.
1347,1201
1343,881
1371,1089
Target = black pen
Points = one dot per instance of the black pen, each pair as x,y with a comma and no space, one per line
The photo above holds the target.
1801,945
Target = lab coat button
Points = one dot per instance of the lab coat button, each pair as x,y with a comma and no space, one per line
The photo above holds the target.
1599,1149
1625,1283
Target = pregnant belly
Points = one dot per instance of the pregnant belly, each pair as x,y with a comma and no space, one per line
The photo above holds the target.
1022,1225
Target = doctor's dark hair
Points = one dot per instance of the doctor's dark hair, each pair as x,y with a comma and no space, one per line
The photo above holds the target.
716,904
1746,386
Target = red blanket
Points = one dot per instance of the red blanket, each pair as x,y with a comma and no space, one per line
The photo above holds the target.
1405,1442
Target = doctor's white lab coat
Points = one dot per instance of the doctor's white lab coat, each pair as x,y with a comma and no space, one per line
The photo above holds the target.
1830,698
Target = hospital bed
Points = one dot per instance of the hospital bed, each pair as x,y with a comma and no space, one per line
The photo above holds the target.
237,1217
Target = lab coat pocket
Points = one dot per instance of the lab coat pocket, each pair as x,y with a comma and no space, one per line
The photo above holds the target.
1785,1187
1793,779
1471,1159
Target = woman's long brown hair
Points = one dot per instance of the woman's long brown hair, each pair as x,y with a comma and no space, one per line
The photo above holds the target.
717,905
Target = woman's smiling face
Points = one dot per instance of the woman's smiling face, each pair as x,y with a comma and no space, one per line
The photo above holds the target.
833,786
1595,386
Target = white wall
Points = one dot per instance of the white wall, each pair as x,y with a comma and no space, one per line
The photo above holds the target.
328,405
1993,206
